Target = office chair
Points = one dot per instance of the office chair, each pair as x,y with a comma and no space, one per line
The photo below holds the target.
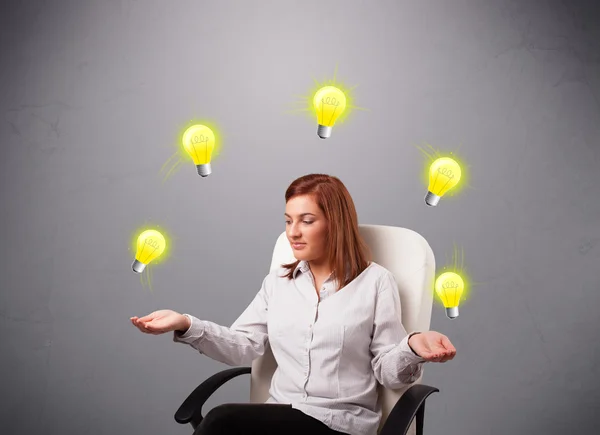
408,256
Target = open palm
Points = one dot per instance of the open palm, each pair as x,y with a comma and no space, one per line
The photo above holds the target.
158,322
432,346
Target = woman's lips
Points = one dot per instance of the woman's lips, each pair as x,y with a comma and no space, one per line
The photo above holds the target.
298,245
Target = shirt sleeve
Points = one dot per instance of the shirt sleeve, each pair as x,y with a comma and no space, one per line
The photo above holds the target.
237,345
394,363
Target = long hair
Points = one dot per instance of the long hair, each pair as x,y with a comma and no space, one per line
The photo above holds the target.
346,250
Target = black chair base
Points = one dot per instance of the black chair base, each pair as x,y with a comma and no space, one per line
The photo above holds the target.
410,405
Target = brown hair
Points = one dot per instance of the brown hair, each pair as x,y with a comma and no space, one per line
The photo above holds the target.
347,252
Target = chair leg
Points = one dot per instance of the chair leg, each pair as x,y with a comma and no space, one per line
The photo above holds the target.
420,417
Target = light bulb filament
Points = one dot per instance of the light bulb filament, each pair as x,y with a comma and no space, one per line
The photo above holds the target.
446,171
332,101
200,139
450,284
153,243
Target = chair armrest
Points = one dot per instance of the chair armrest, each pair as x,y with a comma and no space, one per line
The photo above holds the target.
190,410
411,403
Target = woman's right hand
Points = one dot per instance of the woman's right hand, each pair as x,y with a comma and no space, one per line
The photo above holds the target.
161,321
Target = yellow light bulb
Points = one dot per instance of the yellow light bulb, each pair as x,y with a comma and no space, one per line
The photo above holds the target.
199,142
150,245
329,103
444,174
449,287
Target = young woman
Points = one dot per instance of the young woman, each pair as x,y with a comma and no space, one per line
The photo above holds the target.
332,319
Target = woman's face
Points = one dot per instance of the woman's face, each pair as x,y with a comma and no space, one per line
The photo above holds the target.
306,228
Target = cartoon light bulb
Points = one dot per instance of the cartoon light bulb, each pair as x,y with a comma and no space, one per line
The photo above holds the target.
444,174
199,142
329,103
150,245
449,287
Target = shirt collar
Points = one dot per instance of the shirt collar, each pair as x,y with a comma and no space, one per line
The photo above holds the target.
302,267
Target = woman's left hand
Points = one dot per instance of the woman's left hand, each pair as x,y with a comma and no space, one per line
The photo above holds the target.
432,346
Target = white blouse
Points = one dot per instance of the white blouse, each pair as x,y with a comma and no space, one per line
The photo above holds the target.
330,353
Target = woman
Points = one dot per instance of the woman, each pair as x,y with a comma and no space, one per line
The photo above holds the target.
332,319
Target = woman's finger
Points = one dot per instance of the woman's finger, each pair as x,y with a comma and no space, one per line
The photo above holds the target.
152,328
448,356
156,328
142,327
146,318
446,343
437,355
134,322
139,325
432,356
439,350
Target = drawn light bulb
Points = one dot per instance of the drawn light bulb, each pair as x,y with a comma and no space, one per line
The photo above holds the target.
150,245
444,174
199,142
449,287
329,103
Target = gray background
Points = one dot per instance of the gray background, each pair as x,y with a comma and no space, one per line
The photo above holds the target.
93,95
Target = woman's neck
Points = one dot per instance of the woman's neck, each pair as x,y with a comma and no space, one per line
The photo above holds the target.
321,270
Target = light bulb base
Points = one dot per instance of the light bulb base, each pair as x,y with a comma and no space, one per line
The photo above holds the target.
323,131
204,170
431,199
138,266
452,312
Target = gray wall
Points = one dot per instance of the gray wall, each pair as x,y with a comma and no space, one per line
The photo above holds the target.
93,95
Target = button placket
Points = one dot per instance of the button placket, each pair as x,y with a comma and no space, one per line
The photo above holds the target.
307,368
309,337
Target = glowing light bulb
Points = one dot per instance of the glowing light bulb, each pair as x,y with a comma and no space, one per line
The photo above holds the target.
444,174
150,245
449,287
329,103
199,142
